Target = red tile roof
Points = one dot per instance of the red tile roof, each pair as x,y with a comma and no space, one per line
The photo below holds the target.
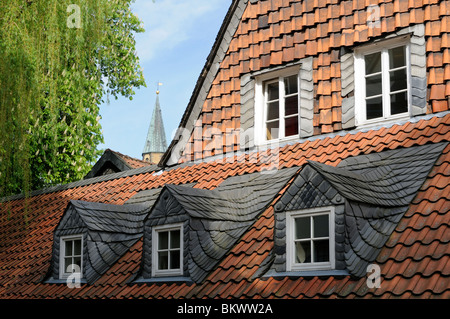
414,262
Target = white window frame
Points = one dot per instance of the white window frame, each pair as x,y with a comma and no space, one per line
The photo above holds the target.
166,272
291,265
360,88
261,103
63,274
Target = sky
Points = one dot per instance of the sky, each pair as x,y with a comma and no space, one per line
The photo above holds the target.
178,37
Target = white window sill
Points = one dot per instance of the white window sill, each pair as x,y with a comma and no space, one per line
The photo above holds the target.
61,281
283,140
383,121
167,273
311,266
307,273
162,279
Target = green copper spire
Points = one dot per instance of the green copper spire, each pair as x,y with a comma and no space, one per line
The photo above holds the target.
156,136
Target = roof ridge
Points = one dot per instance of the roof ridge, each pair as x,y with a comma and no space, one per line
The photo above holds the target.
130,157
84,182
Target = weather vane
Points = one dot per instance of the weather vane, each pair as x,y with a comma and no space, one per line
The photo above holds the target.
157,87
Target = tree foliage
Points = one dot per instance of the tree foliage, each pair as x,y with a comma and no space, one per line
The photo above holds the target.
59,59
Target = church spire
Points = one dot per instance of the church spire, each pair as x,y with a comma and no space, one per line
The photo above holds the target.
155,144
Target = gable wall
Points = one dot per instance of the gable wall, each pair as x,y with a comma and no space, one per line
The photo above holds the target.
276,32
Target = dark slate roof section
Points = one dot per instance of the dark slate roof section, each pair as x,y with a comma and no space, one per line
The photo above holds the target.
114,162
108,230
260,180
109,218
377,189
218,218
367,228
308,190
384,179
147,197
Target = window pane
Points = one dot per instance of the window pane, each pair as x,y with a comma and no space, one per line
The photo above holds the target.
291,105
302,228
290,85
373,85
67,263
163,240
175,259
373,63
77,247
175,239
303,252
320,225
291,126
374,108
77,261
272,111
398,80
397,57
399,103
163,260
68,248
321,250
272,91
272,130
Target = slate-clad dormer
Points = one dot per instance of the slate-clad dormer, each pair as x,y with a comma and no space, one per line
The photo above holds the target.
190,230
93,236
364,198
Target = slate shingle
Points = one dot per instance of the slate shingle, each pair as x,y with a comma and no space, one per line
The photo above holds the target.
216,218
108,231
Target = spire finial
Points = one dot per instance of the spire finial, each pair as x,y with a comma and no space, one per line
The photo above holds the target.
157,87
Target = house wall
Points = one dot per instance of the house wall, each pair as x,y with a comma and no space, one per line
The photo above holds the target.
273,33
152,158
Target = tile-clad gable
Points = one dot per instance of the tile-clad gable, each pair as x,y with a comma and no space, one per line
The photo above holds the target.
419,239
321,30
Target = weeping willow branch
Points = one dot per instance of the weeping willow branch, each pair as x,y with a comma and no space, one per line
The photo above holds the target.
54,64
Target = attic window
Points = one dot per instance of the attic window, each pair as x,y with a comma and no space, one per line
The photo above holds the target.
281,107
277,104
71,255
383,71
310,239
167,250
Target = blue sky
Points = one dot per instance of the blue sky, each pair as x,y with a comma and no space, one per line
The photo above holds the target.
173,50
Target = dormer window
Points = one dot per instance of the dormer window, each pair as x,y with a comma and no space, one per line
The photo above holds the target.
277,104
90,237
382,74
190,230
281,107
310,239
167,250
71,256
334,220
